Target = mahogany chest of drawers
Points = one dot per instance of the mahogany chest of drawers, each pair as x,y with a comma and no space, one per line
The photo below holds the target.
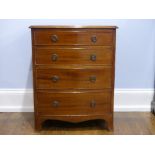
73,73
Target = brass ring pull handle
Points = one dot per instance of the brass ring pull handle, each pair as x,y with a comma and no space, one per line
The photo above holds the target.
55,78
93,57
54,38
55,104
92,78
94,39
93,104
54,57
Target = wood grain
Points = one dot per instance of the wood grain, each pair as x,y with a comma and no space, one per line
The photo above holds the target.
82,103
73,37
63,62
73,78
125,123
74,55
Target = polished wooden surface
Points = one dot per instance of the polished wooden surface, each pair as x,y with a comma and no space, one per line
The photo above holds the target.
73,37
73,26
125,123
69,59
82,103
48,55
73,78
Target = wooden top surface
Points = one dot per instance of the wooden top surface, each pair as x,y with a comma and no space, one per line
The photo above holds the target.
73,26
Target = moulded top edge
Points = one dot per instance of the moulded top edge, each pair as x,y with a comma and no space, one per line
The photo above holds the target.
73,26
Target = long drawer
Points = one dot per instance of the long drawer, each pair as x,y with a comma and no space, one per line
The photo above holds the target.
72,37
86,55
74,103
51,78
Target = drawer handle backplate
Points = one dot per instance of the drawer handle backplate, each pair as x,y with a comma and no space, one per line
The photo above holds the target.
92,78
54,57
55,103
54,38
94,39
93,57
93,104
55,78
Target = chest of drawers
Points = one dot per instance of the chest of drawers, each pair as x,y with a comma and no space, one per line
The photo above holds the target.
73,73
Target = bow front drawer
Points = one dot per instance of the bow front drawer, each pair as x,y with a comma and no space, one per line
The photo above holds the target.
74,78
70,103
89,55
72,37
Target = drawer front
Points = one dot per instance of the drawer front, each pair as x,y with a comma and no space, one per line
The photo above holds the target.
79,55
74,78
83,103
72,37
